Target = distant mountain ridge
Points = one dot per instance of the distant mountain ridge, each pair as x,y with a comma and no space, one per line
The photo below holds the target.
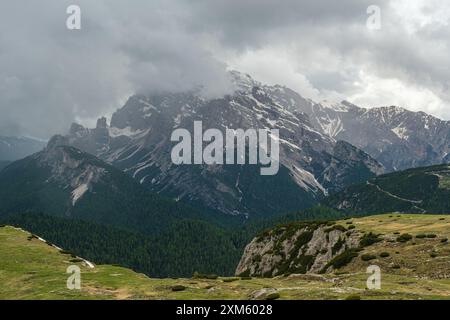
418,190
14,148
396,137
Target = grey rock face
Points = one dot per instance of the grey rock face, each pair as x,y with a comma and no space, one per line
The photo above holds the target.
69,168
311,162
398,138
306,249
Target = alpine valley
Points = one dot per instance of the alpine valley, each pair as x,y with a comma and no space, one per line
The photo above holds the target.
112,195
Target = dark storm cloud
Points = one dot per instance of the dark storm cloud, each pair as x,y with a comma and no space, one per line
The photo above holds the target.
255,22
50,76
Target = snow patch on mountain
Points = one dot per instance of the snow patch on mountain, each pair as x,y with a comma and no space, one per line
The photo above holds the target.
401,132
331,127
127,132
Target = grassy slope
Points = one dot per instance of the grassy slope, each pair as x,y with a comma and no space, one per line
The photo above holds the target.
34,270
427,258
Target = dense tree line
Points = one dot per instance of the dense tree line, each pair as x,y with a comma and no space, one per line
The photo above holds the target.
184,247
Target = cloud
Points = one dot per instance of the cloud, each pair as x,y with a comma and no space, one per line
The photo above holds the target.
51,76
406,62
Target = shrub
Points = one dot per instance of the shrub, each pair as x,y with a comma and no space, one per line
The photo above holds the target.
349,222
384,254
442,219
76,260
433,255
267,274
353,297
198,275
421,236
65,252
337,246
431,236
404,238
341,260
368,257
272,296
336,227
351,227
396,266
257,258
230,279
246,278
369,239
178,288
396,232
444,240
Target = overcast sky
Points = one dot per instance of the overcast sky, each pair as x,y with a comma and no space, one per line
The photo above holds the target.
51,76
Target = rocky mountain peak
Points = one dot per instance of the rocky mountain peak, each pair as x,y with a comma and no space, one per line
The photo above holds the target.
138,142
102,123
243,82
57,141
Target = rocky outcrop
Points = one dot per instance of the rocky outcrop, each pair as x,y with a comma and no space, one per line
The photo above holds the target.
299,248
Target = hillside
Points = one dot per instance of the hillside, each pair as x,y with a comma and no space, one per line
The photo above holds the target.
419,190
32,269
3,164
412,252
184,247
66,182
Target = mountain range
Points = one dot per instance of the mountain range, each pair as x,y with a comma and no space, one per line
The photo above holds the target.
324,148
113,194
396,137
312,164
